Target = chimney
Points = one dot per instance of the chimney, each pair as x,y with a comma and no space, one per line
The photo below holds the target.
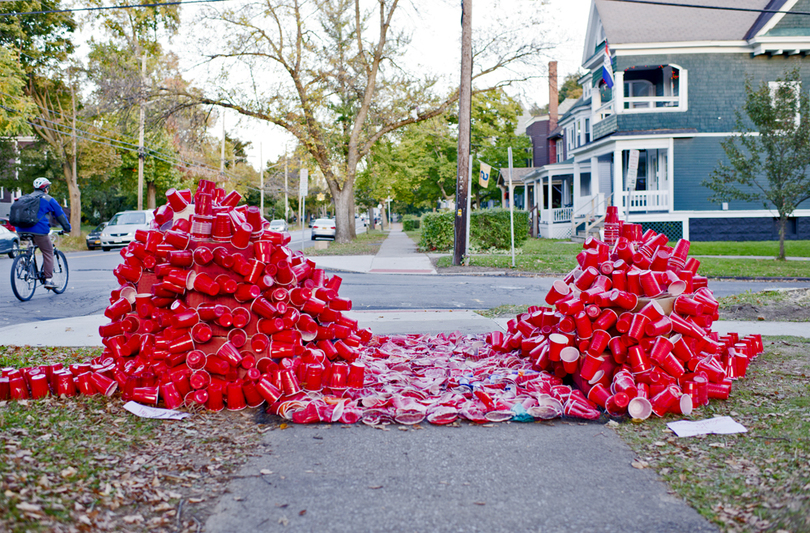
553,95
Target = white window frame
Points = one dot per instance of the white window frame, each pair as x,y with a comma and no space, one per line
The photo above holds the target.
797,90
559,151
682,98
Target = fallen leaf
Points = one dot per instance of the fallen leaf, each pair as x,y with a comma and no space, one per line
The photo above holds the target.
717,445
639,464
265,472
375,487
29,507
283,521
68,472
132,519
302,512
480,503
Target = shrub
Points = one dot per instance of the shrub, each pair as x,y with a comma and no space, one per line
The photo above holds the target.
410,223
489,228
437,231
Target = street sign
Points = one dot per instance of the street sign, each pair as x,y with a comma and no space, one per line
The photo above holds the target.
632,170
303,184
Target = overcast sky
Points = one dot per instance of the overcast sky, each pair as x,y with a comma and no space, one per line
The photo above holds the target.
435,47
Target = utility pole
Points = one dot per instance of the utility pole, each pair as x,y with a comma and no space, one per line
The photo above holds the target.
222,151
261,180
464,112
286,200
75,166
141,125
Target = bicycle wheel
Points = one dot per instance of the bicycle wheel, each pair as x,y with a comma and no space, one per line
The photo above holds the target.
23,278
60,272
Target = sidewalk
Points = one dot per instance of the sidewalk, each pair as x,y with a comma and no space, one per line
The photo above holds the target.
397,255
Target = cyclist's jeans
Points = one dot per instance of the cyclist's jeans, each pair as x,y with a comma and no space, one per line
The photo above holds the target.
45,244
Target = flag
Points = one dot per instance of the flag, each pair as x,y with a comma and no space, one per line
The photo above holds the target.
607,68
483,178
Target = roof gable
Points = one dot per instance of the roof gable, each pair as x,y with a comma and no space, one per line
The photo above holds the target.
628,22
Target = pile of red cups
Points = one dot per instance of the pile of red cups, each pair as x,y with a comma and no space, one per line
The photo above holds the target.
213,310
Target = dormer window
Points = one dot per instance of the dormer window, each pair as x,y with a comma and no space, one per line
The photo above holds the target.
653,89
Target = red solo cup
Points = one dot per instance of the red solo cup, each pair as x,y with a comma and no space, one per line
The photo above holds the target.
221,231
223,258
236,397
203,256
586,278
145,395
688,306
201,333
267,390
312,377
241,237
262,250
198,397
179,239
580,409
176,200
171,397
583,325
245,292
681,349
590,365
241,317
231,199
205,284
338,379
196,360
659,260
130,273
201,226
718,391
616,405
103,384
623,382
570,306
557,343
259,342
599,342
289,382
662,326
664,401
639,361
570,359
346,352
607,319
226,284
230,353
672,366
637,326
618,349
599,395
65,386
633,282
118,309
39,386
639,408
340,304
199,379
251,394
237,337
681,249
623,299
211,312
85,385
18,388
314,306
356,377
269,326
713,370
185,319
558,290
144,305
328,348
652,310
263,308
284,274
649,284
660,349
183,343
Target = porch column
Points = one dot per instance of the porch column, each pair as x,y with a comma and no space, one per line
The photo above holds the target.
595,185
577,190
550,208
618,182
671,175
525,196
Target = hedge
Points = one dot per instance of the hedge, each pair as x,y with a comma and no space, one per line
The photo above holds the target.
410,223
489,228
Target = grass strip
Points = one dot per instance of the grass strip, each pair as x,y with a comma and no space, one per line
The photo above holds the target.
85,463
748,482
503,311
761,248
364,244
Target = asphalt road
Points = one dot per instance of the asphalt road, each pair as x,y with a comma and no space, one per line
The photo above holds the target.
91,281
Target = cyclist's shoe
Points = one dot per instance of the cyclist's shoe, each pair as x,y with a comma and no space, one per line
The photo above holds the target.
49,284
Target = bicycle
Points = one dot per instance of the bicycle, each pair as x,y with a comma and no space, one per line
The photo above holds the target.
26,275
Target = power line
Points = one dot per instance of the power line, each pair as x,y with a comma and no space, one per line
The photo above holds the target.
715,8
105,8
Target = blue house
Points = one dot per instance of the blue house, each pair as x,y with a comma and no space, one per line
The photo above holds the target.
679,78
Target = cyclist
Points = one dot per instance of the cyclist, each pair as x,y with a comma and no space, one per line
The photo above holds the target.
41,230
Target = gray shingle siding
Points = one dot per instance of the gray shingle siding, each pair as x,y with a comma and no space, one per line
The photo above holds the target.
694,161
792,25
715,85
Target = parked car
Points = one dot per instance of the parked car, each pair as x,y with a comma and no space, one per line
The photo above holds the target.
6,224
93,239
324,227
278,225
121,228
9,242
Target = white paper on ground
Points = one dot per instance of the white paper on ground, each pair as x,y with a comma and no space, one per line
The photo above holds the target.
720,425
145,411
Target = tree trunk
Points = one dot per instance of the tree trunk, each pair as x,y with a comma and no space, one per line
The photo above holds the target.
151,195
75,197
344,217
782,225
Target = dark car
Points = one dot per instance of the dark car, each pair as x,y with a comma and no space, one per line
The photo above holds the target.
9,242
94,237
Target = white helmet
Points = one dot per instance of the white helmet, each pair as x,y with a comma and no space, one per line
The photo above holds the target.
41,183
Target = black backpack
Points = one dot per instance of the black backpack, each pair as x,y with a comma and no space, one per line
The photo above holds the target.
25,210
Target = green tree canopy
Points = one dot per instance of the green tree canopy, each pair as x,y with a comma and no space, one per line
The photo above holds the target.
769,158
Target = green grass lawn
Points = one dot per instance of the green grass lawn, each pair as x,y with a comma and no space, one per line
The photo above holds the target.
770,248
550,256
754,481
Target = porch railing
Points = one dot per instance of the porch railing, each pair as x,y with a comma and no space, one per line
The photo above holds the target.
591,213
562,214
646,200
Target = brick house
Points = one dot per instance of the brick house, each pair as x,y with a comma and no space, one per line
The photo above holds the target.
679,75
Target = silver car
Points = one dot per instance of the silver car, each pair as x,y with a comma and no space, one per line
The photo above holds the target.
324,227
278,225
121,228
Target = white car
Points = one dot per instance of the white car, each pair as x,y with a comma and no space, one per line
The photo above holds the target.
278,225
121,228
324,227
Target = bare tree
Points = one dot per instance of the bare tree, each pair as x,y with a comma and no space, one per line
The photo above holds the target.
330,73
